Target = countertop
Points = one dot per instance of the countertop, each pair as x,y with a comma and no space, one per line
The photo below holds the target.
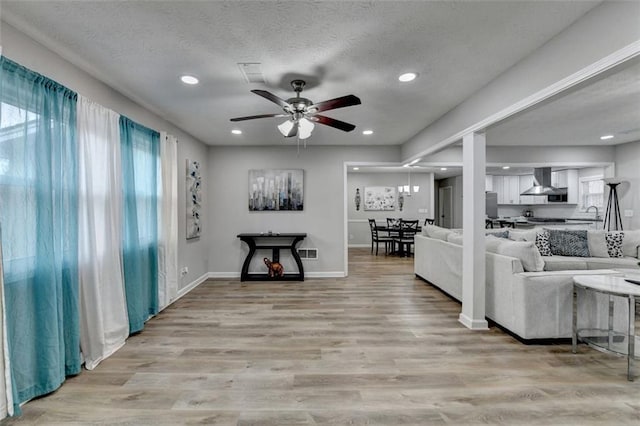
548,221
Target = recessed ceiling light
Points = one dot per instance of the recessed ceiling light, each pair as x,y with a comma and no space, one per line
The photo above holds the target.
406,77
443,168
367,132
189,79
356,168
236,131
505,167
605,137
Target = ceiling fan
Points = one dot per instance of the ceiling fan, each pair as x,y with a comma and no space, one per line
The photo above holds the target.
303,113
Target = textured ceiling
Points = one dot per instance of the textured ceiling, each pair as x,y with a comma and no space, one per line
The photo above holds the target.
610,105
340,47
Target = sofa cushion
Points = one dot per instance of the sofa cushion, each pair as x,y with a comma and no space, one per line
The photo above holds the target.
526,251
455,238
564,263
597,243
436,232
630,243
612,262
614,243
568,243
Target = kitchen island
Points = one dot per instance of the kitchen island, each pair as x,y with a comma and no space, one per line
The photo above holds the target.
547,222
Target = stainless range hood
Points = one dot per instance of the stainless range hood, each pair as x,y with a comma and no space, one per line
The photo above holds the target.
542,183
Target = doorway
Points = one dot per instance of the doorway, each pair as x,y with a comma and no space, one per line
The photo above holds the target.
445,207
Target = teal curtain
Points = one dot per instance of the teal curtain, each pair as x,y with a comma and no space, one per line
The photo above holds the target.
38,211
140,150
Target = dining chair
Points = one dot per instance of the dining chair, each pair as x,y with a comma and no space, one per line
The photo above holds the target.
406,237
393,226
377,238
428,221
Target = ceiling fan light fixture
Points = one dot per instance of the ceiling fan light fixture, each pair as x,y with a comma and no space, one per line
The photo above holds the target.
305,127
285,127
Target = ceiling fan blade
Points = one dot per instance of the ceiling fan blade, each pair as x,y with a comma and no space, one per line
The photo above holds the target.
328,121
340,102
273,98
252,117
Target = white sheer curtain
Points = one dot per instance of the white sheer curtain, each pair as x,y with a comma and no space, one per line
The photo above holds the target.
168,221
104,325
6,395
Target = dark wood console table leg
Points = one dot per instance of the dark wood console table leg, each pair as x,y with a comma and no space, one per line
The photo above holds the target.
244,274
296,257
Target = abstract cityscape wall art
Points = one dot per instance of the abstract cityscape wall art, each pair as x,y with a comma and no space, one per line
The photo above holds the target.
276,190
379,198
194,199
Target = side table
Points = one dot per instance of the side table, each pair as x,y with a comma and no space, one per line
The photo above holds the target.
608,340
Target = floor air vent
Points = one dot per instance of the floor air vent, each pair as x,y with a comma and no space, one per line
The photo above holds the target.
308,253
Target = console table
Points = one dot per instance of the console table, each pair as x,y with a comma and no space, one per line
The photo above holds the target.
273,242
608,340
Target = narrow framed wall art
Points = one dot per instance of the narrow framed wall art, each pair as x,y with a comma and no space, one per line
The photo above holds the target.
194,199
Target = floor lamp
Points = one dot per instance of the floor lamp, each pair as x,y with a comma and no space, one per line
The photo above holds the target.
612,216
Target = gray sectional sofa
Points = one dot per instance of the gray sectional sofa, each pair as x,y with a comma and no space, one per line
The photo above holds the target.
528,294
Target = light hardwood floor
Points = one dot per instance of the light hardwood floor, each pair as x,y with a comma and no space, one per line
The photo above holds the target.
378,348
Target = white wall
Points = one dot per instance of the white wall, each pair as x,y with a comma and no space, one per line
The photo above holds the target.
603,30
322,219
23,50
628,167
358,228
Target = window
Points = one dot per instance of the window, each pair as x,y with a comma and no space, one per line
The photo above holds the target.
591,192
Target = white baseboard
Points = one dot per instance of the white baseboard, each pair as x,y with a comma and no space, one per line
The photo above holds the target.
359,245
224,275
473,324
330,274
191,286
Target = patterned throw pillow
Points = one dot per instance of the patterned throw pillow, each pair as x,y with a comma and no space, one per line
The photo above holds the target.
614,243
500,234
569,243
542,242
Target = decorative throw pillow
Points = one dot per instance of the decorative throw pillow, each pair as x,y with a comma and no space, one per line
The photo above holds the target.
631,243
526,251
501,234
568,243
542,242
522,235
614,243
597,243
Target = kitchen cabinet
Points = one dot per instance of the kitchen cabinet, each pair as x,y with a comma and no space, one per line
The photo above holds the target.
488,183
567,179
498,187
508,189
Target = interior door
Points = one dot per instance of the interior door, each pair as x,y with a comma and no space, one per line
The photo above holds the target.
445,207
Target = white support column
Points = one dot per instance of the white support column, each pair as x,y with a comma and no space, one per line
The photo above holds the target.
473,222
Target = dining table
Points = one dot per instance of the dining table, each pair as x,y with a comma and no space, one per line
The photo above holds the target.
399,232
